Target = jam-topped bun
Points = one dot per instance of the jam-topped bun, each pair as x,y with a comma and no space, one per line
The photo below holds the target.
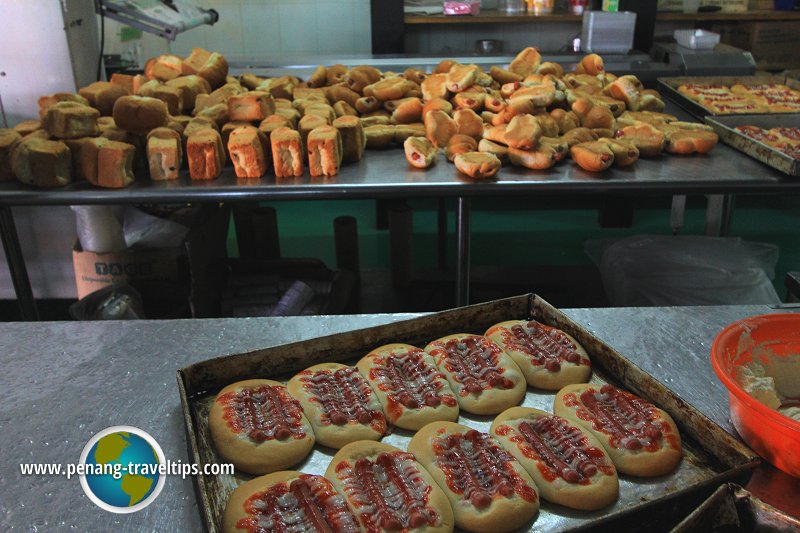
488,488
485,379
339,403
256,425
410,388
388,490
288,501
569,465
640,438
548,357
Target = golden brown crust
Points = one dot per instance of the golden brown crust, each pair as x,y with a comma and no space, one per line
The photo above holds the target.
396,413
419,151
633,462
590,64
439,127
287,152
354,140
488,400
164,154
460,144
526,62
503,513
536,374
211,66
601,489
70,120
625,152
478,165
248,455
140,114
593,156
523,132
649,140
468,123
107,163
324,151
542,157
328,433
41,163
371,450
249,151
205,153
379,136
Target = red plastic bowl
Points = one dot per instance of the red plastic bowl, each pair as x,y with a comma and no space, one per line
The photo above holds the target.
773,436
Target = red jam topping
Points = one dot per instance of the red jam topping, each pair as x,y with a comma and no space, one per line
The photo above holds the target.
546,346
263,413
344,396
479,469
388,493
410,381
560,449
631,422
473,362
309,503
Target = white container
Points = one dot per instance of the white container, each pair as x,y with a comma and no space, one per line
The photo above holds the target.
697,39
605,32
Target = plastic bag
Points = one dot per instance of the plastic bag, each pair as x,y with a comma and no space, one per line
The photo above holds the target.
658,270
100,227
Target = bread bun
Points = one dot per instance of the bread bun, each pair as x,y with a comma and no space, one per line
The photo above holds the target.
488,489
640,438
205,153
70,120
211,66
568,465
41,163
420,152
164,154
140,114
287,152
107,163
365,472
258,427
250,152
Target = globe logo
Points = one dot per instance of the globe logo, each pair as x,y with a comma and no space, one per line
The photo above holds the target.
122,469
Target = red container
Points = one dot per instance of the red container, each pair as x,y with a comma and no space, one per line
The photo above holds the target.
772,435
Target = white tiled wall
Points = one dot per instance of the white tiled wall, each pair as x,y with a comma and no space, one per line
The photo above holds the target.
266,28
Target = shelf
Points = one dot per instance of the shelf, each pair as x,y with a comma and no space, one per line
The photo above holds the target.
490,16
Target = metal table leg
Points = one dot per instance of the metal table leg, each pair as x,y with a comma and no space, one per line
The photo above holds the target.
463,243
718,214
16,265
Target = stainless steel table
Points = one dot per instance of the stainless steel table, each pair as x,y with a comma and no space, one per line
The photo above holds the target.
62,382
385,174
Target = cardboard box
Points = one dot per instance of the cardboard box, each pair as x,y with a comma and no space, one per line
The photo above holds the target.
773,44
196,269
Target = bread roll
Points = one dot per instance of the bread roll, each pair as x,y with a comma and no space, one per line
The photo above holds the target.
191,86
8,141
103,95
287,152
568,465
249,151
251,107
420,152
70,120
389,490
439,127
26,127
460,144
107,163
285,501
354,140
205,153
211,66
164,154
41,163
46,101
164,67
379,136
140,114
324,151
641,439
339,403
258,427
548,357
477,165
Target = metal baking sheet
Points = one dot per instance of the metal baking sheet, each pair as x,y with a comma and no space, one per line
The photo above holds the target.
669,88
732,508
726,129
711,455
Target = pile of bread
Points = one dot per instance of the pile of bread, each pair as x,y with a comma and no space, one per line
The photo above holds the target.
531,114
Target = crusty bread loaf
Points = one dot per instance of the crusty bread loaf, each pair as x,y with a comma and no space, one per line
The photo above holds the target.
164,154
287,152
249,152
8,141
324,151
107,163
26,127
165,67
47,101
102,95
42,163
251,107
209,65
140,114
354,140
131,83
172,96
70,120
205,153
191,86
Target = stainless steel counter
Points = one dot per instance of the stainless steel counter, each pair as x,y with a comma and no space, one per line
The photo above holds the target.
63,382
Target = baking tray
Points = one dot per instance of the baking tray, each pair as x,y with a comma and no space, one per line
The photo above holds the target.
726,129
669,87
711,455
732,508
